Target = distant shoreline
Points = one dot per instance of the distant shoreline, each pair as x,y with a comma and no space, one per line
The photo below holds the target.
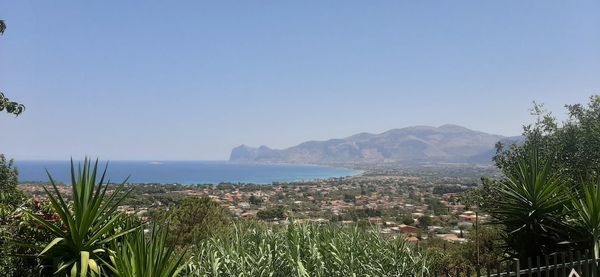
189,172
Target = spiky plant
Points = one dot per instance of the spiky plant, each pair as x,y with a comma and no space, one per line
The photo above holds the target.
87,225
531,207
586,214
142,256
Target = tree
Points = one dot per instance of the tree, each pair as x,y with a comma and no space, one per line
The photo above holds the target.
5,104
573,147
484,197
276,212
255,200
10,198
10,195
193,220
424,222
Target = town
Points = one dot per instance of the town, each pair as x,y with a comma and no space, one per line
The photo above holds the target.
411,204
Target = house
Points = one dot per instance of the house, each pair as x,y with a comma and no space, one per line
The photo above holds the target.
407,229
468,216
376,220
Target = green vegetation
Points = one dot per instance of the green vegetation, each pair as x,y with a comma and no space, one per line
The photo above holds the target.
532,202
10,199
573,147
10,195
139,255
88,224
548,199
307,250
276,212
193,220
586,217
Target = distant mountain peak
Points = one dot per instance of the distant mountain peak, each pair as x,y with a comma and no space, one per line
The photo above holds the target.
446,143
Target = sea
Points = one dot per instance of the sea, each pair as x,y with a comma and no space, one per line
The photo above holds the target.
185,172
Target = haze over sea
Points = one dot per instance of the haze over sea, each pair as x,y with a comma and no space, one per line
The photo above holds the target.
185,172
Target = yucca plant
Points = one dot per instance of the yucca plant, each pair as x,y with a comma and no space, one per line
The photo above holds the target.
531,207
141,256
87,225
586,214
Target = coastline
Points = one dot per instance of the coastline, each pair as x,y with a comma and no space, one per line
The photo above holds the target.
191,172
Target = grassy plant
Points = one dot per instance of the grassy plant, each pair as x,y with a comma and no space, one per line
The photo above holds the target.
87,225
140,255
587,214
307,250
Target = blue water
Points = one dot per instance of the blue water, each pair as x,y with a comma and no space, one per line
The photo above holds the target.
185,172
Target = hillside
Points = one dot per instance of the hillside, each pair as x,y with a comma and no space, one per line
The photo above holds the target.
447,143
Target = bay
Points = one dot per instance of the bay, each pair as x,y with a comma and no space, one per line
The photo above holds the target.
185,172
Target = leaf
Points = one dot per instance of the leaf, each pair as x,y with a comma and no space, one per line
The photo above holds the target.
85,259
50,245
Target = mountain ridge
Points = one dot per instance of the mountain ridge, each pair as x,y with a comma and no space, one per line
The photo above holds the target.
447,143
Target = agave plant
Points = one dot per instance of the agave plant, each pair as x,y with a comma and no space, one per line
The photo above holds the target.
87,225
531,206
586,214
142,256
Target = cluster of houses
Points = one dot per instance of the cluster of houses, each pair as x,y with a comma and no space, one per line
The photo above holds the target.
311,201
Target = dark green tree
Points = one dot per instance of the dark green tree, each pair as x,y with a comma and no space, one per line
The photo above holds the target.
255,200
193,220
10,198
16,227
10,195
573,146
424,222
272,213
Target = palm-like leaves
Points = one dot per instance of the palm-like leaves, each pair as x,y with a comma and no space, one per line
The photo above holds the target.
531,206
587,213
140,256
89,223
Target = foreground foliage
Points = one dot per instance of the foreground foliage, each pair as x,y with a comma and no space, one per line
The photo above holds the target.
307,250
85,227
586,214
531,208
192,220
148,256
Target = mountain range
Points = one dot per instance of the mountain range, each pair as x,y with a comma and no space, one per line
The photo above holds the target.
417,144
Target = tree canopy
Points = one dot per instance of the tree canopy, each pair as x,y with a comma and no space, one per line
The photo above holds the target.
573,146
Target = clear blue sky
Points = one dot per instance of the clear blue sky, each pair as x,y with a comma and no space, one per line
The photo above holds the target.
191,79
